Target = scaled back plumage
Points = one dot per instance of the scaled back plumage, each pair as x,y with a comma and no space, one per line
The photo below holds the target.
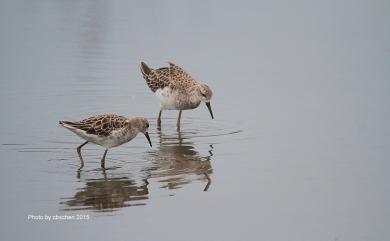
101,125
173,76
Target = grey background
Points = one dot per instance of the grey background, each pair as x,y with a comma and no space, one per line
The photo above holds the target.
300,143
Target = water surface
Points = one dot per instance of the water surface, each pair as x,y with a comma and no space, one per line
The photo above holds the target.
298,149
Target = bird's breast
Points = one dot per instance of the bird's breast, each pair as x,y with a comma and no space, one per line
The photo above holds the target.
119,137
176,100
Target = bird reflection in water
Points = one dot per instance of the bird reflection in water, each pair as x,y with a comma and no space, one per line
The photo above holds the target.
176,162
108,194
173,165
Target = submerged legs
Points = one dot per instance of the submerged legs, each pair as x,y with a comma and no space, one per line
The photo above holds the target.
81,158
79,153
103,158
178,121
159,120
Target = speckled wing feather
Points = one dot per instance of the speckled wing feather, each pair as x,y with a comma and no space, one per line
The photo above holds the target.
101,125
172,76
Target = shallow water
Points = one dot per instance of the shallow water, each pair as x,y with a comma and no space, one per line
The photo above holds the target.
298,149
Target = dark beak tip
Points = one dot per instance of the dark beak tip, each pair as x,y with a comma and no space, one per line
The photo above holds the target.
147,137
210,110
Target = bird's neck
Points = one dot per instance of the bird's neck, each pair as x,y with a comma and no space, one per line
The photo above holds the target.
194,101
134,125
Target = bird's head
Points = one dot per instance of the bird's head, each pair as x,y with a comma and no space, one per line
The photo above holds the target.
205,94
142,125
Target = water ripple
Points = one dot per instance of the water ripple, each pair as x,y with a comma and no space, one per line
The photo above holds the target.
178,159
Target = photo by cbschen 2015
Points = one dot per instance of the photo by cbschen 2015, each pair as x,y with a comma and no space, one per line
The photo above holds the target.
188,120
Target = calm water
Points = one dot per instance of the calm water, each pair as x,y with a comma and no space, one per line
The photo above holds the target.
298,150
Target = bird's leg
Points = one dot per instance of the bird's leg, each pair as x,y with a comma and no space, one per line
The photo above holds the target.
178,121
79,153
159,120
103,159
208,182
104,174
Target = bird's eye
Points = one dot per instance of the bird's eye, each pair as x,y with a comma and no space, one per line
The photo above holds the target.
204,95
147,125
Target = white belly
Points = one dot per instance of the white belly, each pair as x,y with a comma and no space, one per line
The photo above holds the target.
174,100
116,138
167,98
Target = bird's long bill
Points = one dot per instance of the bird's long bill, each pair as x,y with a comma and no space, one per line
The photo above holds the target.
209,107
147,137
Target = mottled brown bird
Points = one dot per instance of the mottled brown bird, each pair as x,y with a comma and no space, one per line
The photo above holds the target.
176,89
107,130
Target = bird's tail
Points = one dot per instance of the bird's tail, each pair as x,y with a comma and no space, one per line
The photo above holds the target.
145,69
67,124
